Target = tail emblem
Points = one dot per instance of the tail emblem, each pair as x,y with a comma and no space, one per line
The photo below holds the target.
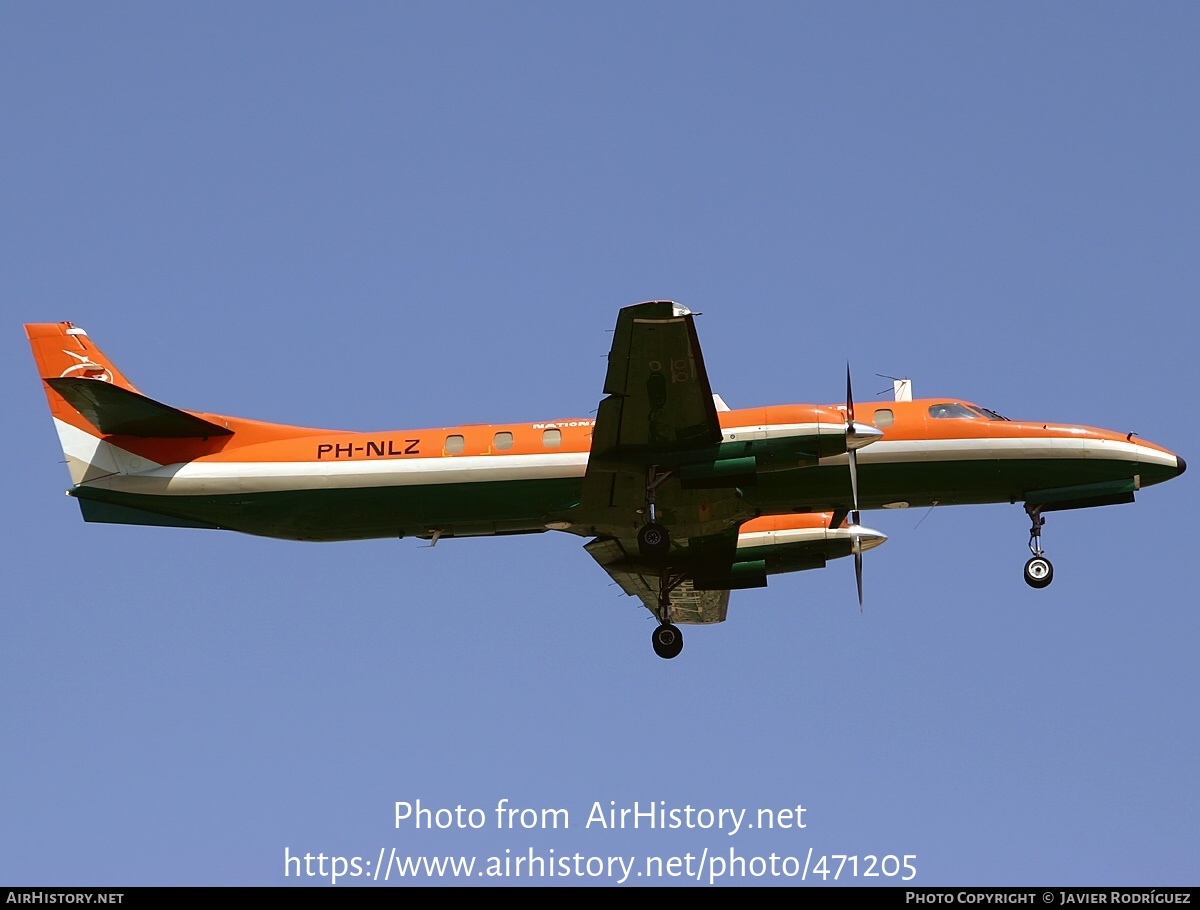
87,366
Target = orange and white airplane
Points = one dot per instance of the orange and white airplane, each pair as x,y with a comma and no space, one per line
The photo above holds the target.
684,500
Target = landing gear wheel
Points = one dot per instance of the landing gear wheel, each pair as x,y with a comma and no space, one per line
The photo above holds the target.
1038,572
667,641
654,541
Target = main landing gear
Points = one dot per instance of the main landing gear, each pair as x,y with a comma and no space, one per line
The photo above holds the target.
654,543
1038,571
654,540
667,641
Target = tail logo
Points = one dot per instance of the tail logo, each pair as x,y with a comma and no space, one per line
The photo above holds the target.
87,366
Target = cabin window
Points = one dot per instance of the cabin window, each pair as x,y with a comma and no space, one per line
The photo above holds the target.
951,409
551,438
884,418
454,444
502,441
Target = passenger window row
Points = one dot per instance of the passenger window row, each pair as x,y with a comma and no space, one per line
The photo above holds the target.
454,445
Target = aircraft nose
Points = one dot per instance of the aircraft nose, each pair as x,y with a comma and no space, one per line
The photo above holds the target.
1182,465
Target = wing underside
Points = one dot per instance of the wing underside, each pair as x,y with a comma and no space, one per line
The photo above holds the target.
688,605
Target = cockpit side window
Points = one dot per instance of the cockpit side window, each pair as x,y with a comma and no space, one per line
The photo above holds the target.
951,409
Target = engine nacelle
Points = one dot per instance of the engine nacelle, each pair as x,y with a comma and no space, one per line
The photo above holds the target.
787,543
747,573
721,472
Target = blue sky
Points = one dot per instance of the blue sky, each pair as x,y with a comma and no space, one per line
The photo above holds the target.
238,201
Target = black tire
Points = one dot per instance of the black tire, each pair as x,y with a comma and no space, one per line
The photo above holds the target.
1038,572
667,641
654,540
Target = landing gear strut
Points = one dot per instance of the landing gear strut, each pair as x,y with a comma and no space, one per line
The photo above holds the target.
1038,571
654,540
654,543
667,639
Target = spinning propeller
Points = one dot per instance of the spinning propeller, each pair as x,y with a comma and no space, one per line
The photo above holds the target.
857,436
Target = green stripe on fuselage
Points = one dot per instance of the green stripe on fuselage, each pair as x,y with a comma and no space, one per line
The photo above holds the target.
365,512
526,505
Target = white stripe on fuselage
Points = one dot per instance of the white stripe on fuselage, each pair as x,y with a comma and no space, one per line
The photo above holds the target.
202,477
218,477
1029,447
212,478
780,431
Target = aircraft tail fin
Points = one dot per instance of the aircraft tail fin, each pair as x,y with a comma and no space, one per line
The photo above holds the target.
91,399
64,350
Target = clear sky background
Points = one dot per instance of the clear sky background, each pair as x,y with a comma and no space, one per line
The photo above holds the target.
381,215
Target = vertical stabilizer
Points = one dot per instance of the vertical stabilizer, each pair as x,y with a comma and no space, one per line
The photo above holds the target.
62,349
64,354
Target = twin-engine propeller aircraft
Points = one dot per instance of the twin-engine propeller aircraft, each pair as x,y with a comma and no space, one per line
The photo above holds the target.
684,499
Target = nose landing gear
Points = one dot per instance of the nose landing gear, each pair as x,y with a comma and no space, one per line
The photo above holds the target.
1038,570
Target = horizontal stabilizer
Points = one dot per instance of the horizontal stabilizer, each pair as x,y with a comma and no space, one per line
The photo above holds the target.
116,411
111,513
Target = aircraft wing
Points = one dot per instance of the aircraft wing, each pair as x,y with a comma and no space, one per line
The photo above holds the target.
659,420
688,605
658,414
659,398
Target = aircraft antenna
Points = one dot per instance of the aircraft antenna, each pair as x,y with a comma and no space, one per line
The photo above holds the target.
886,376
901,387
926,515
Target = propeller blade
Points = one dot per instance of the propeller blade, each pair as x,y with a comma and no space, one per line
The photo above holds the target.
849,396
852,458
858,573
851,453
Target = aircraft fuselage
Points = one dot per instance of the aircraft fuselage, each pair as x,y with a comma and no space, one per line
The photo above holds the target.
319,485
